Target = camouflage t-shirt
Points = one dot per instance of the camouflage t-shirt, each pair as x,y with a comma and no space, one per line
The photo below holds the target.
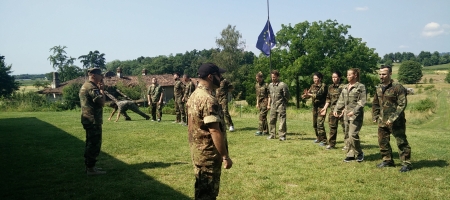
389,103
262,92
334,90
123,106
222,91
188,90
319,94
203,109
91,104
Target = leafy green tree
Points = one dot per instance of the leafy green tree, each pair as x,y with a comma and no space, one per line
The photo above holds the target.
38,84
398,57
320,46
93,59
8,84
447,78
70,95
63,64
423,55
410,72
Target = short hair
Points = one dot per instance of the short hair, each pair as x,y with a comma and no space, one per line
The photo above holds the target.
259,74
386,66
338,73
186,75
318,74
275,72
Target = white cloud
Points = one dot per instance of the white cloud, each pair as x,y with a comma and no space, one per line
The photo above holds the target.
403,47
362,8
433,29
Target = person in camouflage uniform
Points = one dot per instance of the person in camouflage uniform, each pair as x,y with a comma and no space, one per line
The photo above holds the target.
388,109
222,96
188,90
278,100
123,106
92,99
318,93
207,134
178,90
262,98
351,106
334,91
155,99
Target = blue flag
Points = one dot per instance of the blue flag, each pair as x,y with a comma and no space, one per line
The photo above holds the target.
266,40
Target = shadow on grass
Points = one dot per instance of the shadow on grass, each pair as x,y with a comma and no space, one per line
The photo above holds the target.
429,163
247,129
41,161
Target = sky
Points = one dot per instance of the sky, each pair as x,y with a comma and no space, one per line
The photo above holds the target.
128,29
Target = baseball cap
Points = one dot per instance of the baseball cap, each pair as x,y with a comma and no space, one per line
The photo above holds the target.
95,70
209,68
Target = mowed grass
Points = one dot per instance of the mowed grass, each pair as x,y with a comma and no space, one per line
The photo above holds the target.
42,158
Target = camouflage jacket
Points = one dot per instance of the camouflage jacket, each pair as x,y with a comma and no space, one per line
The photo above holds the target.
319,94
333,95
155,91
262,93
279,94
352,100
188,90
178,89
389,103
203,109
91,104
222,91
123,106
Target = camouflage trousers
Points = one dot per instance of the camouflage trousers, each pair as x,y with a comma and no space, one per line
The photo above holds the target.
318,124
280,113
134,108
156,110
352,128
226,114
93,143
179,110
207,181
334,123
262,127
398,131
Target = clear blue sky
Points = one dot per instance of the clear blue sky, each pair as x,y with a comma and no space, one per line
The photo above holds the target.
125,30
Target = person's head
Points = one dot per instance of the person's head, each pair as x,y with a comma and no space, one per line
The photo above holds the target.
176,75
259,77
353,75
385,74
95,75
317,78
336,77
210,73
274,74
154,80
186,77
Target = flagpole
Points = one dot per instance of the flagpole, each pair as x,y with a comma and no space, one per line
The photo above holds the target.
268,30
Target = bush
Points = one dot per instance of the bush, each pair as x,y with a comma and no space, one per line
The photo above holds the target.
251,99
24,101
410,72
447,78
424,105
428,87
71,98
425,80
431,81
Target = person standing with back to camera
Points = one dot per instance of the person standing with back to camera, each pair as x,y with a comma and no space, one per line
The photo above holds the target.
92,100
351,106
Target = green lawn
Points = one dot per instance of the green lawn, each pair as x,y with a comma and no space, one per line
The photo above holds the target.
42,158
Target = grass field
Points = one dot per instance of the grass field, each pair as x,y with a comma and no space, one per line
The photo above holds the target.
42,158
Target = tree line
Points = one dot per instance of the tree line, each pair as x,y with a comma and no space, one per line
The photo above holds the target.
425,58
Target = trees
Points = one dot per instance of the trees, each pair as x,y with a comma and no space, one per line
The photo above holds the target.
63,64
410,72
320,46
8,84
93,59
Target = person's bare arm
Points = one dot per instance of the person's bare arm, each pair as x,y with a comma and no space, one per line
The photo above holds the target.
220,144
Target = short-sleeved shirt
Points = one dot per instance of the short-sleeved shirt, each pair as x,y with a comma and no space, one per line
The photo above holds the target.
279,94
389,103
155,90
203,109
91,104
178,89
222,91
